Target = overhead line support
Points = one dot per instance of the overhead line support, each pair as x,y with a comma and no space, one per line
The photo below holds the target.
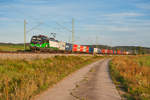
72,31
24,35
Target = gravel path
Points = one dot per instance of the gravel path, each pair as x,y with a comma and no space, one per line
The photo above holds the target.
89,83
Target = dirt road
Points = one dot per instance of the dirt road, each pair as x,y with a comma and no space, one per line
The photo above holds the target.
89,83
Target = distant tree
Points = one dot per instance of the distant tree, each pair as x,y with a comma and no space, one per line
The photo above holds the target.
141,50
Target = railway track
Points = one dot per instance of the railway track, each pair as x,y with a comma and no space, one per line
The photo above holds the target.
34,55
39,52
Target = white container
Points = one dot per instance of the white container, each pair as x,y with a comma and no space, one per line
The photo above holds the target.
95,50
54,44
127,53
78,48
84,48
106,51
99,51
62,45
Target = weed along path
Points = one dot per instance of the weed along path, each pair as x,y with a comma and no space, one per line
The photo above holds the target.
89,83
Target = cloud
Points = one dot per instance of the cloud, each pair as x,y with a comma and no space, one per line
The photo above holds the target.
124,14
109,22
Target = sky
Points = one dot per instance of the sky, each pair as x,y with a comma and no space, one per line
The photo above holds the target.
107,22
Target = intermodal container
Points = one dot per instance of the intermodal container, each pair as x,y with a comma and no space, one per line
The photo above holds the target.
75,48
118,52
114,51
123,52
97,50
81,48
68,47
87,49
111,51
103,51
78,48
53,44
75,45
62,45
127,52
106,51
90,50
84,48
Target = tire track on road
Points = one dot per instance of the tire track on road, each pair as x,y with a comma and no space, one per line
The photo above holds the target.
97,85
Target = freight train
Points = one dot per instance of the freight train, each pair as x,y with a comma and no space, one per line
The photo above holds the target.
43,43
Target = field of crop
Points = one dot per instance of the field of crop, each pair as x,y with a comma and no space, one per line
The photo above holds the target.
131,74
21,79
11,47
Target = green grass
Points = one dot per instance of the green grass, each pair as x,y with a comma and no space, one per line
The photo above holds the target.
22,79
131,74
143,61
11,47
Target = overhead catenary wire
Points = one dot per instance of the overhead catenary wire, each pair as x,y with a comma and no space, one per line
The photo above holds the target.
26,31
34,27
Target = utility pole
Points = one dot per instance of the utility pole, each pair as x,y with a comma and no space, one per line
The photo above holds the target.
72,30
69,39
24,34
96,42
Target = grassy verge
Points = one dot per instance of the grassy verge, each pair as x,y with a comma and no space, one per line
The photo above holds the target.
22,79
131,74
12,47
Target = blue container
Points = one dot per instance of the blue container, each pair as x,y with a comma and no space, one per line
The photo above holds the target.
99,51
68,47
91,50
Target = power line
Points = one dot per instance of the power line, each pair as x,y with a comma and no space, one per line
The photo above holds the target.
34,27
63,27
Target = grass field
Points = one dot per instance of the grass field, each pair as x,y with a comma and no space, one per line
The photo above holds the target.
131,74
12,47
22,79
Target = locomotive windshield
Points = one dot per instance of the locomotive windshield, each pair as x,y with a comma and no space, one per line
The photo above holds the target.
34,39
39,39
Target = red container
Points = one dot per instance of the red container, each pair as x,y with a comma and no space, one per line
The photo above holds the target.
118,52
103,51
75,45
81,48
74,49
114,51
124,53
108,51
111,51
87,49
